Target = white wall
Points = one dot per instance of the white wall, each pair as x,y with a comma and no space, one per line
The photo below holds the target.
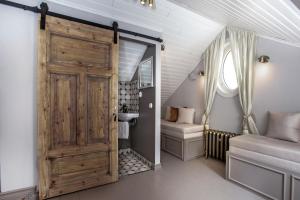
17,98
276,89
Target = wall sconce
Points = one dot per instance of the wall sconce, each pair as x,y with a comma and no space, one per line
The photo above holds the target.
263,66
263,59
163,47
193,75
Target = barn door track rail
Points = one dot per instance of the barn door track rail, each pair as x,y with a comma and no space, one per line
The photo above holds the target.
44,11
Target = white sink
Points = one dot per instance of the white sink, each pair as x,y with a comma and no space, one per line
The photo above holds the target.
127,116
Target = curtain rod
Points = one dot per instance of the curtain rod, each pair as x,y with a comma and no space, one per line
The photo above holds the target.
36,9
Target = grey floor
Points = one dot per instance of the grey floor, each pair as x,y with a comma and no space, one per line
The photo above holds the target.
176,180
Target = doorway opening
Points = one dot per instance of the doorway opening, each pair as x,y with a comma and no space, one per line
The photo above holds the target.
136,102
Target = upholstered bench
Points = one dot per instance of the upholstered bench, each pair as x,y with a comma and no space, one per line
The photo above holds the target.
184,141
266,165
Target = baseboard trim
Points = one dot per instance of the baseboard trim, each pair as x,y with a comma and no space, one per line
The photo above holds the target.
21,194
157,167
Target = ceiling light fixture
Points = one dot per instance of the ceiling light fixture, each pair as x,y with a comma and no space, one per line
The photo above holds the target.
149,3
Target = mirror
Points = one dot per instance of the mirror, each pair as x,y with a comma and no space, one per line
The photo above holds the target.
146,73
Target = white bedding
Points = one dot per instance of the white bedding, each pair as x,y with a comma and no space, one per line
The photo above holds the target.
266,159
182,131
181,128
268,146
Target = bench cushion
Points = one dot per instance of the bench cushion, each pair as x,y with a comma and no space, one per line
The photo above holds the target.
181,128
181,135
268,146
266,159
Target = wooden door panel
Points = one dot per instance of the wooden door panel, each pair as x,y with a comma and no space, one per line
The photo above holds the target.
63,108
78,181
98,109
71,164
76,30
78,150
79,52
77,89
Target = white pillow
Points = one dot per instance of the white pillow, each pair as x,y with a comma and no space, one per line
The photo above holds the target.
186,115
284,126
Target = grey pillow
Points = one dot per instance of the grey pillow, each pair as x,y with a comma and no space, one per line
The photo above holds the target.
284,126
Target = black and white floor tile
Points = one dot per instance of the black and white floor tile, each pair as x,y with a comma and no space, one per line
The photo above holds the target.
130,163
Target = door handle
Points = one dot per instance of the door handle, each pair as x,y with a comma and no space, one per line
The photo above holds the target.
115,116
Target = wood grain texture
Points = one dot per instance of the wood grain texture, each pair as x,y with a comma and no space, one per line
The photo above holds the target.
42,116
71,164
77,90
98,109
29,193
63,104
113,134
73,51
75,182
77,30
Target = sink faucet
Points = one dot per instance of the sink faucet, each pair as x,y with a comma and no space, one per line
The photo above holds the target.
124,108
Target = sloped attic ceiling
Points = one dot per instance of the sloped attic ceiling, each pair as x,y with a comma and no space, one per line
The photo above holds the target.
278,19
131,54
186,34
297,3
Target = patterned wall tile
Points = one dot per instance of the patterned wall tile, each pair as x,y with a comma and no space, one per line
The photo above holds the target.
129,95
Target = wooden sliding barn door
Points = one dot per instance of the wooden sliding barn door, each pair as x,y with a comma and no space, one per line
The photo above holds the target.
77,107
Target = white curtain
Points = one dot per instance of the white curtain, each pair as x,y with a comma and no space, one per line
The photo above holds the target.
243,46
212,60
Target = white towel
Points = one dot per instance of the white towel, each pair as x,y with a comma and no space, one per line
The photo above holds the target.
123,130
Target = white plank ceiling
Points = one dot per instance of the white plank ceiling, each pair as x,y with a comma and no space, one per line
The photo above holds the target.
278,19
186,34
131,54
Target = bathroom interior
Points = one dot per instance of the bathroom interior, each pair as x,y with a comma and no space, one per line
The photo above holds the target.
136,117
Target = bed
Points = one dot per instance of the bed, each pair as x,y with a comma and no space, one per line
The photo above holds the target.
268,166
184,141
